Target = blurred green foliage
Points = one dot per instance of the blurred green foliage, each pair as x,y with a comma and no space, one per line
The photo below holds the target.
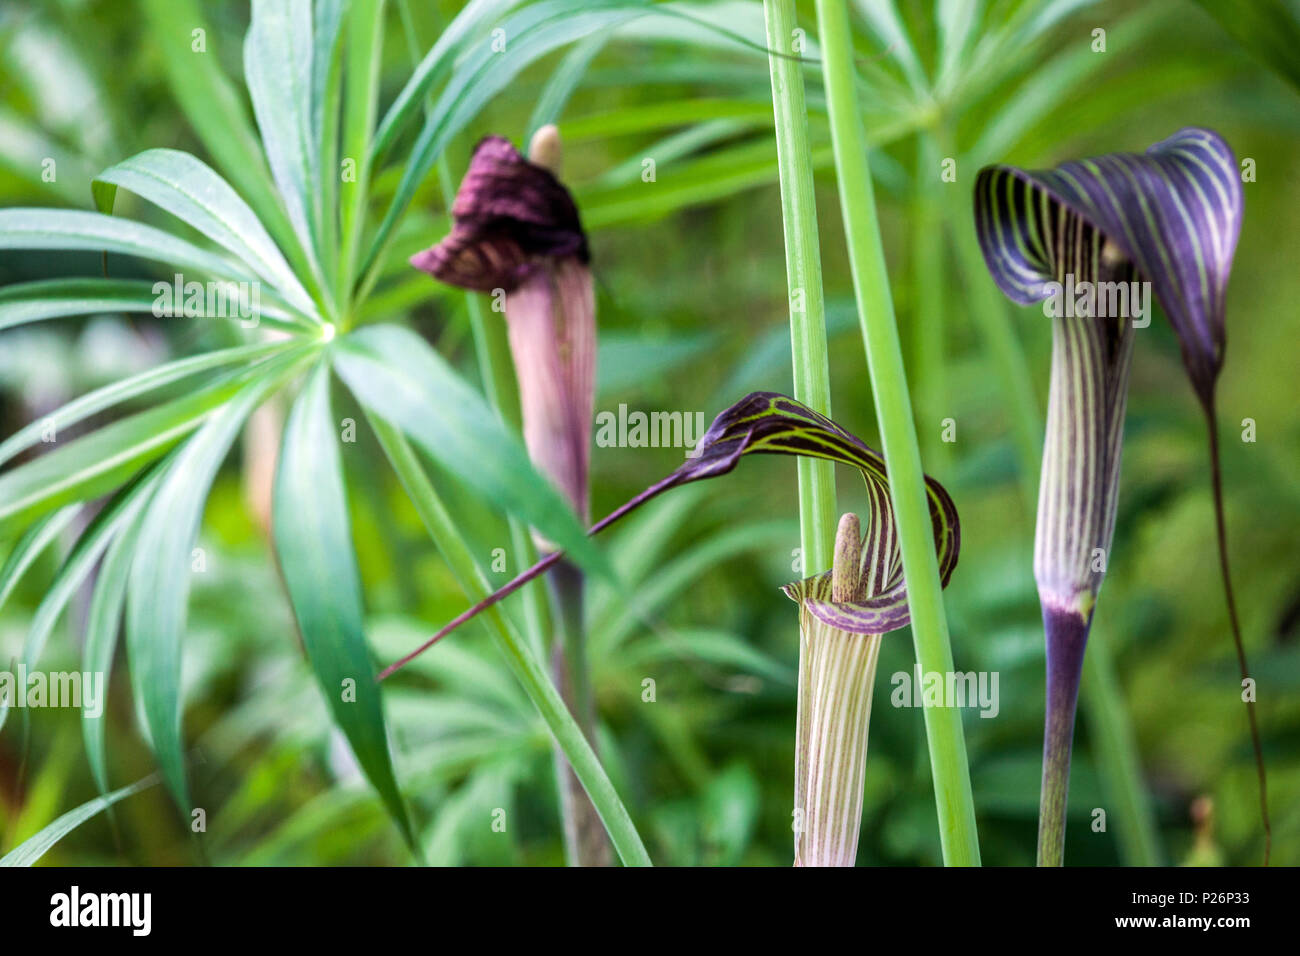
692,314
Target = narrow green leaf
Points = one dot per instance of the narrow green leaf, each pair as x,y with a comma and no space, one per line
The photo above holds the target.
95,232
891,34
326,94
103,627
26,302
35,847
192,191
159,582
278,71
116,393
523,662
216,109
555,94
365,43
394,372
76,568
435,65
536,30
314,543
100,461
30,547
1267,29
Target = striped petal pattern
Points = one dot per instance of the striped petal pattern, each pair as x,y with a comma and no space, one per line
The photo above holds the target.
1170,217
769,423
1174,211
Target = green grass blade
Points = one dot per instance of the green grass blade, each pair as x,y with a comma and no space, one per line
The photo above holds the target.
314,543
954,804
811,361
35,847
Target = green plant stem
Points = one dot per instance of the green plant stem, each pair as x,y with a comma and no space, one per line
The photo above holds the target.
804,278
928,336
953,800
525,665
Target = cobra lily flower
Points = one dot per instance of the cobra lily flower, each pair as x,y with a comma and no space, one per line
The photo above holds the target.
1087,235
843,615
843,612
516,234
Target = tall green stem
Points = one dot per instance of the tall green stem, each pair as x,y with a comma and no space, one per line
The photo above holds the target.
956,808
525,665
803,265
928,338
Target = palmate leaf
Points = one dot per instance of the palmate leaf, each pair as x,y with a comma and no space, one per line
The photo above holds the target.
107,457
768,423
190,190
76,568
161,572
314,542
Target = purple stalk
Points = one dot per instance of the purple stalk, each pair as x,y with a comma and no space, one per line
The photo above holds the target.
1216,480
1067,635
